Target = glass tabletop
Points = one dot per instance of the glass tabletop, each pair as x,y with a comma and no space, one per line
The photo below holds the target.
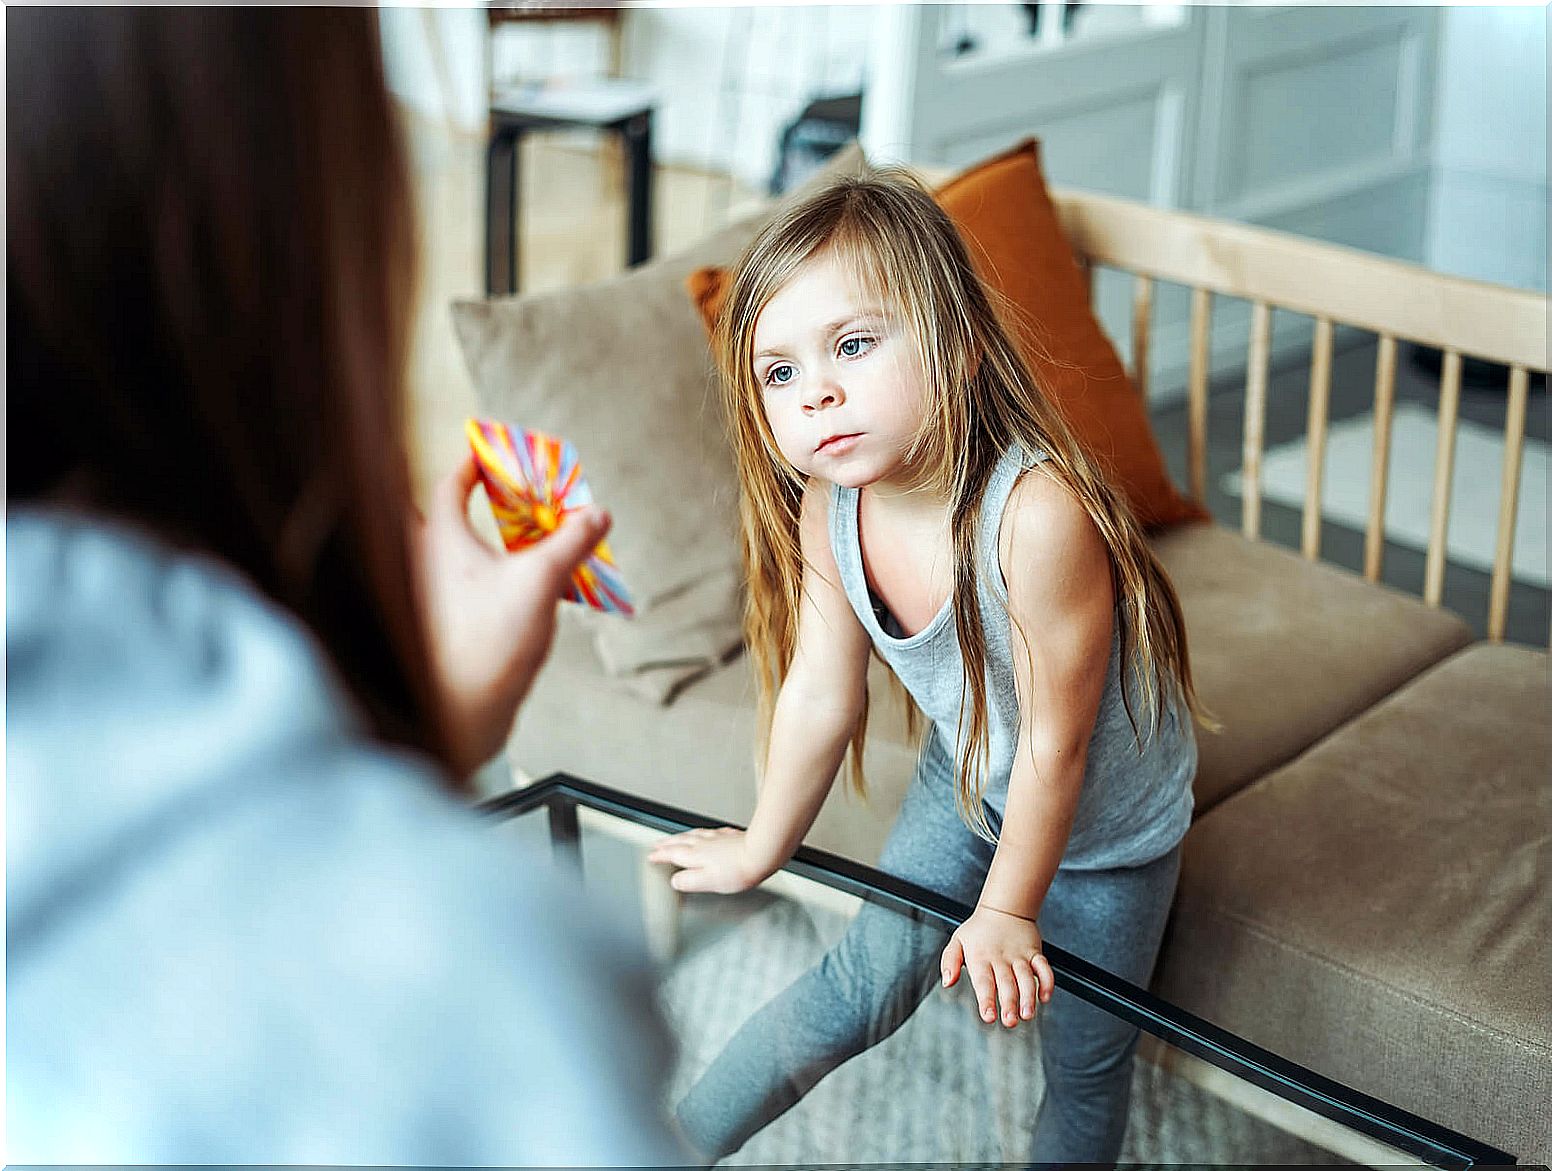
752,985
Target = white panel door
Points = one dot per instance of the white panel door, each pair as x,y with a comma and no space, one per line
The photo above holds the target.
1313,119
1305,106
1115,112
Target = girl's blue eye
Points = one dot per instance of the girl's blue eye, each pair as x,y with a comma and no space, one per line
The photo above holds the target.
775,377
851,347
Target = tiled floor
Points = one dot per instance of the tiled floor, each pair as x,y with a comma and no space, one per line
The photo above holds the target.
573,232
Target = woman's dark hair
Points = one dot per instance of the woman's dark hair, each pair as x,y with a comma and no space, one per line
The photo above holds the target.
210,280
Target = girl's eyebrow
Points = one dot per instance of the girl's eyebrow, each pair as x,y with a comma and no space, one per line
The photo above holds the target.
832,329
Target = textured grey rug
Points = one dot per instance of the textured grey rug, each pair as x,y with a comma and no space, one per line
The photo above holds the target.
944,1088
1474,491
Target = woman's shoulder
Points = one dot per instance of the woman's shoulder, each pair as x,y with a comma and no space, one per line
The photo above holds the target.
202,842
453,962
431,980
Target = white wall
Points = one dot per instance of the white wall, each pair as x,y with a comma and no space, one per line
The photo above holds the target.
1488,215
435,61
728,78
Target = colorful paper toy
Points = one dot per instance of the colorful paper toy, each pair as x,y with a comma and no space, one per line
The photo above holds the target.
533,481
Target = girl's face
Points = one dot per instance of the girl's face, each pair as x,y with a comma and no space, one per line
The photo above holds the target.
839,376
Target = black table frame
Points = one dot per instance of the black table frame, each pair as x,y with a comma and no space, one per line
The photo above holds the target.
561,795
502,190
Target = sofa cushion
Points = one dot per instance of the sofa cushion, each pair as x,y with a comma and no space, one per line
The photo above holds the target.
1380,909
621,369
1285,650
1005,213
698,752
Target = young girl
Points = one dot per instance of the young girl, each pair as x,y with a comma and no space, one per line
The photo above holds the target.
906,488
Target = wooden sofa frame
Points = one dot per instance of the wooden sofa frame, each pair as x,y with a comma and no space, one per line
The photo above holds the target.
1335,286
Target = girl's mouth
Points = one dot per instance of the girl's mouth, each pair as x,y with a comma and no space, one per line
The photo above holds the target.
838,444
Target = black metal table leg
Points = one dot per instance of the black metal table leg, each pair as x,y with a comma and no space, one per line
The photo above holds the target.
637,133
565,835
501,227
502,190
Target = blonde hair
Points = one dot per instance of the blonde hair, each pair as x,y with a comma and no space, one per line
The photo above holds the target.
982,400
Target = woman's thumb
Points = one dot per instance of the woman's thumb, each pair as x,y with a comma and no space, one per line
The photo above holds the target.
578,535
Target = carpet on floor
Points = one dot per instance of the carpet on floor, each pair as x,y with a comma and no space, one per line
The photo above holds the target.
945,1088
1475,488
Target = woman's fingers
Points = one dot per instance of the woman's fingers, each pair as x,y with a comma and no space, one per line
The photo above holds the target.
568,546
451,495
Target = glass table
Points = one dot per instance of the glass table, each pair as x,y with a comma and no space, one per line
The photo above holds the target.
944,1087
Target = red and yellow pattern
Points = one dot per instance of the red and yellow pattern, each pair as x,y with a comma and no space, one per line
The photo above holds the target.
534,481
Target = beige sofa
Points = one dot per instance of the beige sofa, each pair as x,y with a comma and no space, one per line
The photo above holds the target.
1365,887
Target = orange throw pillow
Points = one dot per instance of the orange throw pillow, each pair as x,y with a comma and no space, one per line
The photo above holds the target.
1005,214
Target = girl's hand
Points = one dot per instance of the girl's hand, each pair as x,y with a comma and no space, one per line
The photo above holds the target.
490,613
716,860
1003,955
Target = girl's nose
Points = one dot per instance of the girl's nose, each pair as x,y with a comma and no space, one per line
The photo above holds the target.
824,392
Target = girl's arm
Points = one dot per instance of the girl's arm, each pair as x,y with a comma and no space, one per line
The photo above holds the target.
1060,596
817,709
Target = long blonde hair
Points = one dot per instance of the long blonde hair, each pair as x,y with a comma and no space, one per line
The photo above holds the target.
982,400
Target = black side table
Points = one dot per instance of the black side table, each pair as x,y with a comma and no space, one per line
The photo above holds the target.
624,107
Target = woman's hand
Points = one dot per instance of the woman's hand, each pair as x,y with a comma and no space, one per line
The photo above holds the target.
1002,953
490,613
716,860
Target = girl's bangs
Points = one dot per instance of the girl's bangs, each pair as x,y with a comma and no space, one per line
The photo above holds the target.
866,262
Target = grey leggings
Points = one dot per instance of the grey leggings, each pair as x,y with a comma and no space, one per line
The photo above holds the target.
865,987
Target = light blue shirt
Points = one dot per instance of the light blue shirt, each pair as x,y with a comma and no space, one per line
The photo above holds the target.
241,931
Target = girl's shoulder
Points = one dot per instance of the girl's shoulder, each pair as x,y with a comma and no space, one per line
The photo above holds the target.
1045,523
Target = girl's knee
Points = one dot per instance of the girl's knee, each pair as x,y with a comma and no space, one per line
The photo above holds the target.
1095,1052
874,978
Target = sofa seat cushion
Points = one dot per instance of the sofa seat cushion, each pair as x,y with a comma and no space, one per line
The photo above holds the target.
1285,650
698,752
1380,909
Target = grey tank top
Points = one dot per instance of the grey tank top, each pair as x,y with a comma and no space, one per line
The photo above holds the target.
1135,805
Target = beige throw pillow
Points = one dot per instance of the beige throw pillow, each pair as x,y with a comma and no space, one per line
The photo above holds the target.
621,369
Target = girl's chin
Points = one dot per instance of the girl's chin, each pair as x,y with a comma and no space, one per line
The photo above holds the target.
844,476
854,471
